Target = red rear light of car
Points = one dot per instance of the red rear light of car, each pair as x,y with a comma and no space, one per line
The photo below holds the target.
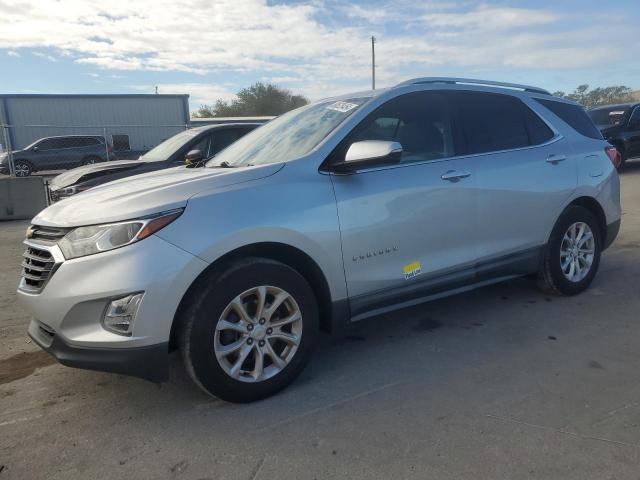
614,156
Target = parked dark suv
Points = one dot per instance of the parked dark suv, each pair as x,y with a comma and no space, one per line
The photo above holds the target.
52,153
620,125
192,146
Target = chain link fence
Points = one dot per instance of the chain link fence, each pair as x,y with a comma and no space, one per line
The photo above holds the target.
45,149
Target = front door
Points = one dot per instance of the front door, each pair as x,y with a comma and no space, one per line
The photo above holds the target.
408,230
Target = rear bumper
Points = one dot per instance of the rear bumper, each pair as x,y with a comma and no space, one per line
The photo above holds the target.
149,362
612,233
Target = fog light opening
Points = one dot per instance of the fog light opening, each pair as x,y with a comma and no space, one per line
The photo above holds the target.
121,313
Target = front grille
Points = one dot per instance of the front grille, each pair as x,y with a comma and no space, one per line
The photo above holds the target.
38,261
37,267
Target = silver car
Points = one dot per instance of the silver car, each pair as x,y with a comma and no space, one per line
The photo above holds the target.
332,213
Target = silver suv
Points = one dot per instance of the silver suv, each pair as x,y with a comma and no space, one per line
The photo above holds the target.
329,214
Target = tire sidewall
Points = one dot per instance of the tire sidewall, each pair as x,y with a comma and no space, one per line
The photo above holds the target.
569,217
206,314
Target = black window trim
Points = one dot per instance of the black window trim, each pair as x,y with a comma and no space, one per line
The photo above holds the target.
326,165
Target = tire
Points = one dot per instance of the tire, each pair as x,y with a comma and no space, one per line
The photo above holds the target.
202,332
90,160
552,278
22,168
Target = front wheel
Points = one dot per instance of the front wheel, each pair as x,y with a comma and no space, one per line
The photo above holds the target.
22,168
250,331
572,255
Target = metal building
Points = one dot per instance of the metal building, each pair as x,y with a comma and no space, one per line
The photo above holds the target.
130,123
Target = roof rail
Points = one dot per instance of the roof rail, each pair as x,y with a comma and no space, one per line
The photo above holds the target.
472,81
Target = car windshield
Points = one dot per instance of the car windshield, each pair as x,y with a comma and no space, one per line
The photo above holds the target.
167,148
289,136
608,116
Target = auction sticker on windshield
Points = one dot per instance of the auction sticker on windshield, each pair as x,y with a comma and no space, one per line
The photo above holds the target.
342,106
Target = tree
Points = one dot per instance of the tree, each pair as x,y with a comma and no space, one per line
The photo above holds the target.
598,96
257,100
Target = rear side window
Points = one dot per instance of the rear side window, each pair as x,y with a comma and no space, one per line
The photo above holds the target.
493,122
80,142
574,116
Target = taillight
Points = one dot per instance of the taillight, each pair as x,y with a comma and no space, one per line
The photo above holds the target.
614,156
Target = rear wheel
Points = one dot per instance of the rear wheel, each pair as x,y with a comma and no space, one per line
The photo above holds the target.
249,333
572,255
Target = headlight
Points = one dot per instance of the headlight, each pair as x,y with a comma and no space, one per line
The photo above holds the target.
83,241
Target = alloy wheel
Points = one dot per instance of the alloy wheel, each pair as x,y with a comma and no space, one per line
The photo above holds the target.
21,170
258,334
577,252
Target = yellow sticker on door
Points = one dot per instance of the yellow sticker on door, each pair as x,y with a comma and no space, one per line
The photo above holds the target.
412,270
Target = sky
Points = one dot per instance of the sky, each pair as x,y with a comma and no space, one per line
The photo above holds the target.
210,49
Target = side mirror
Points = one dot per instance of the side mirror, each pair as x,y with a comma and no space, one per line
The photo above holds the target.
35,149
193,156
369,153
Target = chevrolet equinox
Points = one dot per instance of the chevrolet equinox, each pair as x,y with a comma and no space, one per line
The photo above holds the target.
337,211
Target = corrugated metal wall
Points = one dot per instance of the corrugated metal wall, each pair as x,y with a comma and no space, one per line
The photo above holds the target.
147,119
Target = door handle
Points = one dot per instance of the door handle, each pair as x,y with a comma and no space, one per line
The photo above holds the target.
454,175
555,159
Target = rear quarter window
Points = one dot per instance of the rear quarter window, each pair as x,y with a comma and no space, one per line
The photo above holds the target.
574,116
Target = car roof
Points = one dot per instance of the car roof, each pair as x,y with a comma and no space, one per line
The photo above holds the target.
72,136
204,128
475,84
615,105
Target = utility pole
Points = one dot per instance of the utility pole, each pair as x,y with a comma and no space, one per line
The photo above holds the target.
373,62
156,90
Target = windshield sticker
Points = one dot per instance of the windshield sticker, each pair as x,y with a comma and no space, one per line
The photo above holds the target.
412,270
342,107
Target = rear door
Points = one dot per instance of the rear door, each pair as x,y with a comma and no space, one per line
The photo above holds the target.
408,229
525,173
67,152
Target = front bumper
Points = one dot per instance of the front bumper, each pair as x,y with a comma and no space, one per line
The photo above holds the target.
612,233
68,310
150,362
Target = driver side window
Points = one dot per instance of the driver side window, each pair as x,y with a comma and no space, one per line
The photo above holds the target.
202,145
420,122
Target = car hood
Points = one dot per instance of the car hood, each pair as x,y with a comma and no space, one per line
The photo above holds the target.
71,177
145,194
